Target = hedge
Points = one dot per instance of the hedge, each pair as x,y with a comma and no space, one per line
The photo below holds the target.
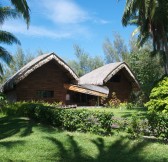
68,119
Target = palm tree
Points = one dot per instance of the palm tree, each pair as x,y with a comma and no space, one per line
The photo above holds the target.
151,17
20,9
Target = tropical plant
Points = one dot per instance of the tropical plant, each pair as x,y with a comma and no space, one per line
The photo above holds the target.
17,9
159,97
146,68
151,17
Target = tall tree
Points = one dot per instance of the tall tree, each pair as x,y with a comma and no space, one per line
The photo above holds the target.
84,63
146,68
151,17
116,51
17,9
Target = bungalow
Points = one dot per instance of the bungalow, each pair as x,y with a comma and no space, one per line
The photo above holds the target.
50,79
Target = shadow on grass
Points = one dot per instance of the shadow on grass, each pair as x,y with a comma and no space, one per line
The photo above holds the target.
73,154
120,150
141,112
10,126
10,144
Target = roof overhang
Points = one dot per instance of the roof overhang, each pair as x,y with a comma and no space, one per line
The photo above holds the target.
32,66
92,90
120,67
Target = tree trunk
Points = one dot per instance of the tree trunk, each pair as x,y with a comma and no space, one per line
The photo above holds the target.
165,44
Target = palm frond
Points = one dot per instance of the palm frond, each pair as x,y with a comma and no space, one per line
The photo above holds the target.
23,8
8,38
5,56
7,12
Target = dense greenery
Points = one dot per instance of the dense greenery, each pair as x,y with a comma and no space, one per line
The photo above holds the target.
72,119
96,121
159,97
152,125
146,67
21,139
151,18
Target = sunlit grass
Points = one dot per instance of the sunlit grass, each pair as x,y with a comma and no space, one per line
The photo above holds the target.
24,140
121,112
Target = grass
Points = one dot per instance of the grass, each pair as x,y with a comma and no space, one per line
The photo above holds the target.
24,140
123,113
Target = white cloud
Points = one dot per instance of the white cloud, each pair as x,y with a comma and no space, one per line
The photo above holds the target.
36,31
67,12
101,21
18,27
64,11
69,20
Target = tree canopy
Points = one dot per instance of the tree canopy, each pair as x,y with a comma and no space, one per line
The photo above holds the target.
151,18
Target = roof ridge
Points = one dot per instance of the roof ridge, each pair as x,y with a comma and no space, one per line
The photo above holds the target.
33,65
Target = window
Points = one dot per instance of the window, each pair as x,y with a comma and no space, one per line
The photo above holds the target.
45,94
116,78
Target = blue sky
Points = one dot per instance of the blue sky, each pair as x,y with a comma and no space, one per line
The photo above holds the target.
56,25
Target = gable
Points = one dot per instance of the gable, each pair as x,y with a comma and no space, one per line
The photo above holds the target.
103,74
34,65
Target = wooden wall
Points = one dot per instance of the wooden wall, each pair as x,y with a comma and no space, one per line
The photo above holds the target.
123,88
48,77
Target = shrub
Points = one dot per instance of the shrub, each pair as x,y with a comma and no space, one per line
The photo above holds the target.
68,119
155,124
159,97
158,125
137,126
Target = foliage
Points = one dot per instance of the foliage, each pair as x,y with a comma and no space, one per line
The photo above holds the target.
159,97
137,127
25,140
146,68
20,9
154,125
72,119
116,51
151,18
85,63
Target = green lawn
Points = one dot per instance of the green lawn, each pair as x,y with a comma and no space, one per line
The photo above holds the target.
125,113
23,140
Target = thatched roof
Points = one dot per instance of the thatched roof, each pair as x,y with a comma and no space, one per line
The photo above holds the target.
101,75
32,66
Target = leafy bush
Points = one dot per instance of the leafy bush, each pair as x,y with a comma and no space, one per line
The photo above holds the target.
159,97
68,119
137,126
158,125
155,124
